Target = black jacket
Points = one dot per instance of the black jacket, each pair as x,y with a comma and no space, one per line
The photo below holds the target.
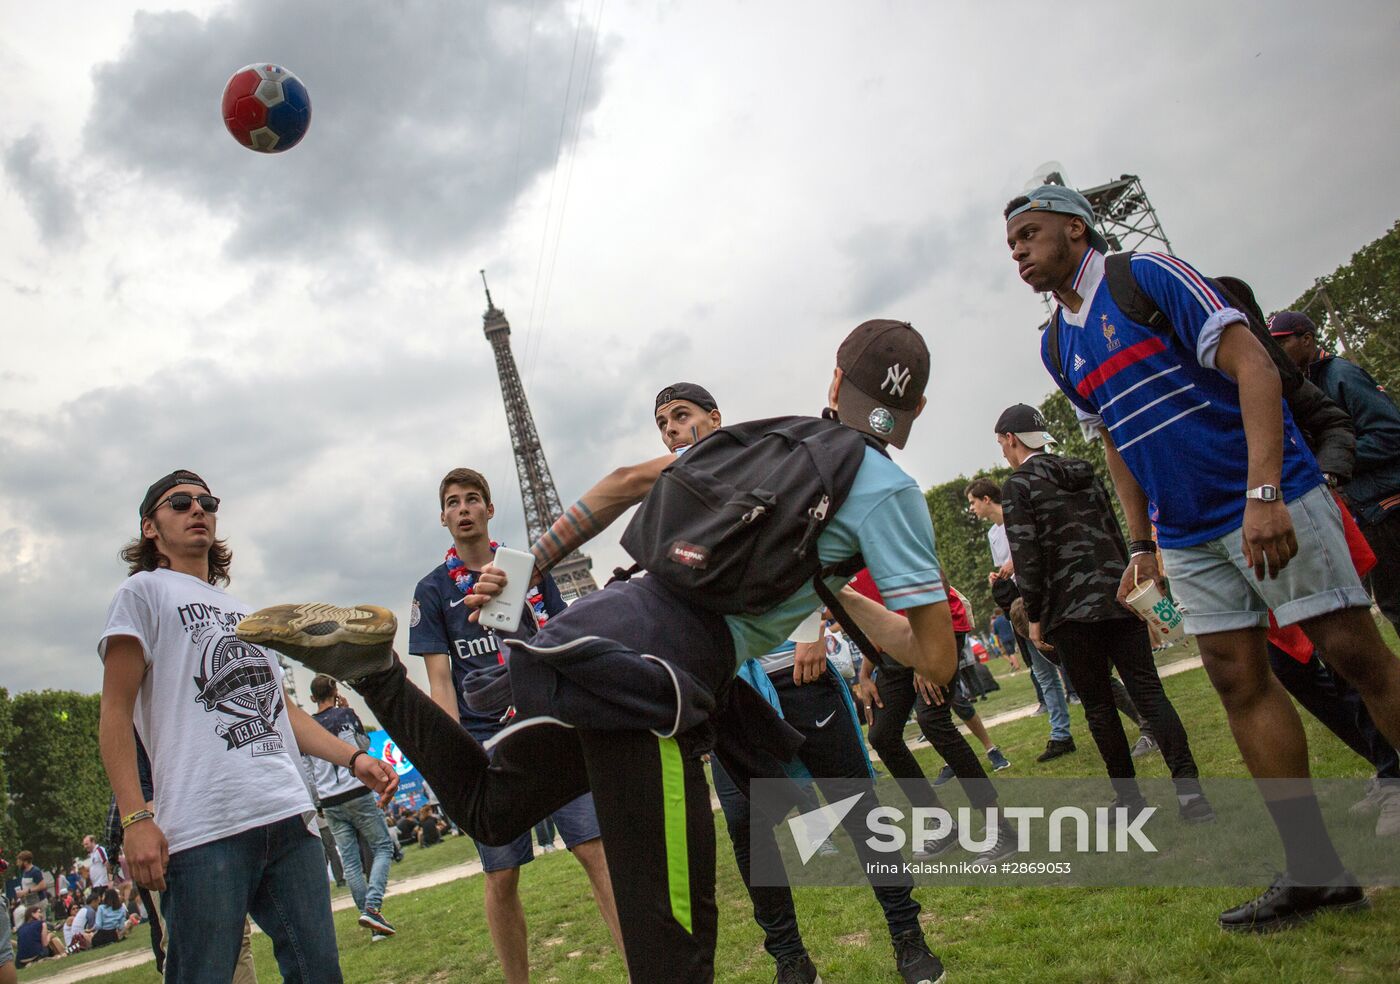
1065,542
1374,488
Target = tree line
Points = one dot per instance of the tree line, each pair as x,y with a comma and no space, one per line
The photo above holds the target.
52,784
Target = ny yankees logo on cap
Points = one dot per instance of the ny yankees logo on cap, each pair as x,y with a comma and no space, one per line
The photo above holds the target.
896,378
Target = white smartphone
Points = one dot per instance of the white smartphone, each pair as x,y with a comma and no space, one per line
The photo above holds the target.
502,612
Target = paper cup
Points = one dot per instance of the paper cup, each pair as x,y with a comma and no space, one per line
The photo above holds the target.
1164,619
810,630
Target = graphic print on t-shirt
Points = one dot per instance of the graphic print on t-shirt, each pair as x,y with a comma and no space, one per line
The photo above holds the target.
235,681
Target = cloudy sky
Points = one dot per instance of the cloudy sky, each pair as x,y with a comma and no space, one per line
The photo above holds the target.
659,191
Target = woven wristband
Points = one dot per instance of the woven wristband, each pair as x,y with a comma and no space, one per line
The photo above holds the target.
1142,547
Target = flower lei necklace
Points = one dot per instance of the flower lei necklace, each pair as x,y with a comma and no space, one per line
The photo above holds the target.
466,581
463,578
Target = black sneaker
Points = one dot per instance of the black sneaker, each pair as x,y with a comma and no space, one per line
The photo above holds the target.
1056,747
1197,809
1002,848
914,961
374,919
945,775
1285,903
797,970
938,846
346,643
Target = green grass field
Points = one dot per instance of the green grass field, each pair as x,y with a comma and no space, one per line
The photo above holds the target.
983,934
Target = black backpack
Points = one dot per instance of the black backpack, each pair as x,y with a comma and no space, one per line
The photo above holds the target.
1133,301
732,525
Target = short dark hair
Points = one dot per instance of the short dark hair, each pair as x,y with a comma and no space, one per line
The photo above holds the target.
322,686
466,477
984,488
1014,204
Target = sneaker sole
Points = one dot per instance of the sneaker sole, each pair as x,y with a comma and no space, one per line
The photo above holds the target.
1001,768
1278,925
315,634
382,929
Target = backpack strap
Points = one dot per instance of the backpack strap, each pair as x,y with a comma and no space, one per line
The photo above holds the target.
843,617
624,573
1131,299
1052,345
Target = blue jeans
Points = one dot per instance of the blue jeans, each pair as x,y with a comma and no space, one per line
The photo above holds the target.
360,817
276,874
1049,678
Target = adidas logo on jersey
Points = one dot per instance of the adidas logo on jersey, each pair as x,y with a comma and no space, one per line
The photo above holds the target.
1078,362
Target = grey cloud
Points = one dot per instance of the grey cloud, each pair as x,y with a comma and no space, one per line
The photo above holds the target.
46,193
328,474
427,118
891,260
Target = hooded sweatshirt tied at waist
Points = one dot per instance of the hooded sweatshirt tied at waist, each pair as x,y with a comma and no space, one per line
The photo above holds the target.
1065,541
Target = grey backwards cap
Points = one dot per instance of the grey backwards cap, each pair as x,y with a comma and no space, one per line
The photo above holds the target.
1064,201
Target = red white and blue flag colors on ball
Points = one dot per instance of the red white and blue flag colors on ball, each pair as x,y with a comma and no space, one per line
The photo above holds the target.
266,108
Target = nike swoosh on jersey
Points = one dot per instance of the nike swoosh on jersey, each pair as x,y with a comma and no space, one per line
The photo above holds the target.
454,604
822,722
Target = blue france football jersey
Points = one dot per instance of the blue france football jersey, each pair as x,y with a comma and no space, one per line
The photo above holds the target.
439,624
1174,417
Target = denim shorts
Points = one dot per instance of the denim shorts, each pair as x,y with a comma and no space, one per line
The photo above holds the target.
576,820
1220,593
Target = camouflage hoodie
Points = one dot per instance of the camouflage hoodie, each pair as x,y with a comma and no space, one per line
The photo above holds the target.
1065,542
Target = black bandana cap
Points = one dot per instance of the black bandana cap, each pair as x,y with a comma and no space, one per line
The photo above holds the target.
180,476
686,391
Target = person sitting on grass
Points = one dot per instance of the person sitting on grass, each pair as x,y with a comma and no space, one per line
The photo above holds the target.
75,938
33,940
111,919
430,828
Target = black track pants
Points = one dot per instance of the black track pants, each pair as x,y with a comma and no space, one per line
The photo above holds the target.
650,794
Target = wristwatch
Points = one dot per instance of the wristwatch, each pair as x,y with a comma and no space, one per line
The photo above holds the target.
1264,493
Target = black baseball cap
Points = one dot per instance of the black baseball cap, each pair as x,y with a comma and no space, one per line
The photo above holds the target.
1287,323
180,476
690,392
885,367
1027,423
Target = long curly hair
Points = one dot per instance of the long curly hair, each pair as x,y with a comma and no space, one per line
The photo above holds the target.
141,555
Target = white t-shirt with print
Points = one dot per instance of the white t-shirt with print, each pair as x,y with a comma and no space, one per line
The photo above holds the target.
210,711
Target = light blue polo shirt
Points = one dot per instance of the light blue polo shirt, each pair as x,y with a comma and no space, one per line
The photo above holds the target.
884,519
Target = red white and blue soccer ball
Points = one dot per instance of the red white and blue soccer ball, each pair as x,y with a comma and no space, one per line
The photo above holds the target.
266,108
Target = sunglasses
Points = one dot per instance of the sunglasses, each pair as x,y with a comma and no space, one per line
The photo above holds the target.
181,502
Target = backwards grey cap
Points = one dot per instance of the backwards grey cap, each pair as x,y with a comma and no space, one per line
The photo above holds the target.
1064,201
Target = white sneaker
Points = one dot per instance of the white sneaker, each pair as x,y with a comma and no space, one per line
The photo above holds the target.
1370,802
1388,823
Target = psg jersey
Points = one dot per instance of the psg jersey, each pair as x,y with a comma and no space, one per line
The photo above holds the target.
439,624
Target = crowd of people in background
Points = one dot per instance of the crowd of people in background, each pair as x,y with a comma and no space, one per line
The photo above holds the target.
53,913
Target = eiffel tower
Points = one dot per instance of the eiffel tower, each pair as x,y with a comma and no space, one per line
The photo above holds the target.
573,574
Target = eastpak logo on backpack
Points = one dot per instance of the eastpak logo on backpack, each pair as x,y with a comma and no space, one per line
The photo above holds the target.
690,555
